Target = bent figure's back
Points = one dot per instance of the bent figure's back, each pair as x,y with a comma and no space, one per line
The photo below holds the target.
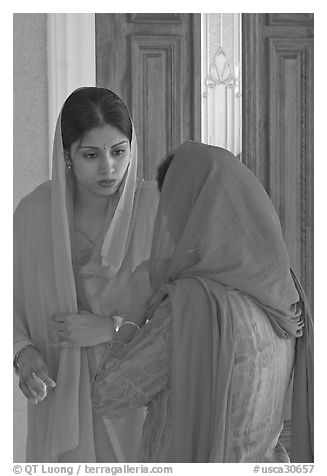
139,374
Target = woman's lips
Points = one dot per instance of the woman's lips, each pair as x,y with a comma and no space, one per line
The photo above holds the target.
106,182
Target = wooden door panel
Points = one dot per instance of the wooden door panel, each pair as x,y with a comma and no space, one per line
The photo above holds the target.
290,19
290,148
277,124
158,102
152,60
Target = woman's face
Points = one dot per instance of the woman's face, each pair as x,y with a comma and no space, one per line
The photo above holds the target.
100,160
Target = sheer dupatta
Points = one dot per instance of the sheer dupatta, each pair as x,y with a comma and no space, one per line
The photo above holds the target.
66,432
217,227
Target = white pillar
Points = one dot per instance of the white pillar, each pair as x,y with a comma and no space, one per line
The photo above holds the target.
71,60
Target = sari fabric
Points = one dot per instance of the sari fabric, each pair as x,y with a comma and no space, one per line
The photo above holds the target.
62,425
217,227
139,374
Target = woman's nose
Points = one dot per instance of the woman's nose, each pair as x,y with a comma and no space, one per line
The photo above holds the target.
107,164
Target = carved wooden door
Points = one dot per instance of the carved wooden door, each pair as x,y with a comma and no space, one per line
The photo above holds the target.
278,124
152,61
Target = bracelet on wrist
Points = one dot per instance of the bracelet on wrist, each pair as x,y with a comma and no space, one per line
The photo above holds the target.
129,322
16,362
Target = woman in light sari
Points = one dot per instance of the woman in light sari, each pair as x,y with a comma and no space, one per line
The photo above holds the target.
226,322
77,238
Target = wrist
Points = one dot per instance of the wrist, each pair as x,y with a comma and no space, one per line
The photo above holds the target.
108,331
18,361
127,331
130,323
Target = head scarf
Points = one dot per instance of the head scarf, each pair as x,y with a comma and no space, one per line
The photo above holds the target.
216,227
64,431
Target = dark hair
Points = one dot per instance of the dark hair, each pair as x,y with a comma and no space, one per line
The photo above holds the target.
163,168
91,107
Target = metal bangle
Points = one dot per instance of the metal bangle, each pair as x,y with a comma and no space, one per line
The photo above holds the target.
129,322
19,353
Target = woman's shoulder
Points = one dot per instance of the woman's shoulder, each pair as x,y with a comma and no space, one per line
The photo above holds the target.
35,202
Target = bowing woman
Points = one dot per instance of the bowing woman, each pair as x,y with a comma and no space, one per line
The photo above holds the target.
223,322
77,238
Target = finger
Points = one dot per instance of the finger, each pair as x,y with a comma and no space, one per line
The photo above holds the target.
64,334
24,388
57,340
29,389
36,386
59,326
42,387
41,374
59,317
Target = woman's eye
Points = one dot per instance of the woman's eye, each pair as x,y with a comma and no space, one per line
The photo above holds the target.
118,152
91,155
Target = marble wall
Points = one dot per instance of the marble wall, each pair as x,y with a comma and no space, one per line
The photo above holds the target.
30,144
30,114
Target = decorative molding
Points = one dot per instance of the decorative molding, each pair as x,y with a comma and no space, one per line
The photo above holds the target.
251,87
290,86
160,57
71,60
221,71
155,18
289,19
221,80
196,109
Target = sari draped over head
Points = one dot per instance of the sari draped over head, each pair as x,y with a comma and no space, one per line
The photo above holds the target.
66,432
215,228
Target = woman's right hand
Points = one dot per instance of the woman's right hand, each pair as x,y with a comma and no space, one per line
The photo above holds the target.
33,375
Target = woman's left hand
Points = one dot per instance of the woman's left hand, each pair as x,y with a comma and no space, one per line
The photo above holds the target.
82,330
